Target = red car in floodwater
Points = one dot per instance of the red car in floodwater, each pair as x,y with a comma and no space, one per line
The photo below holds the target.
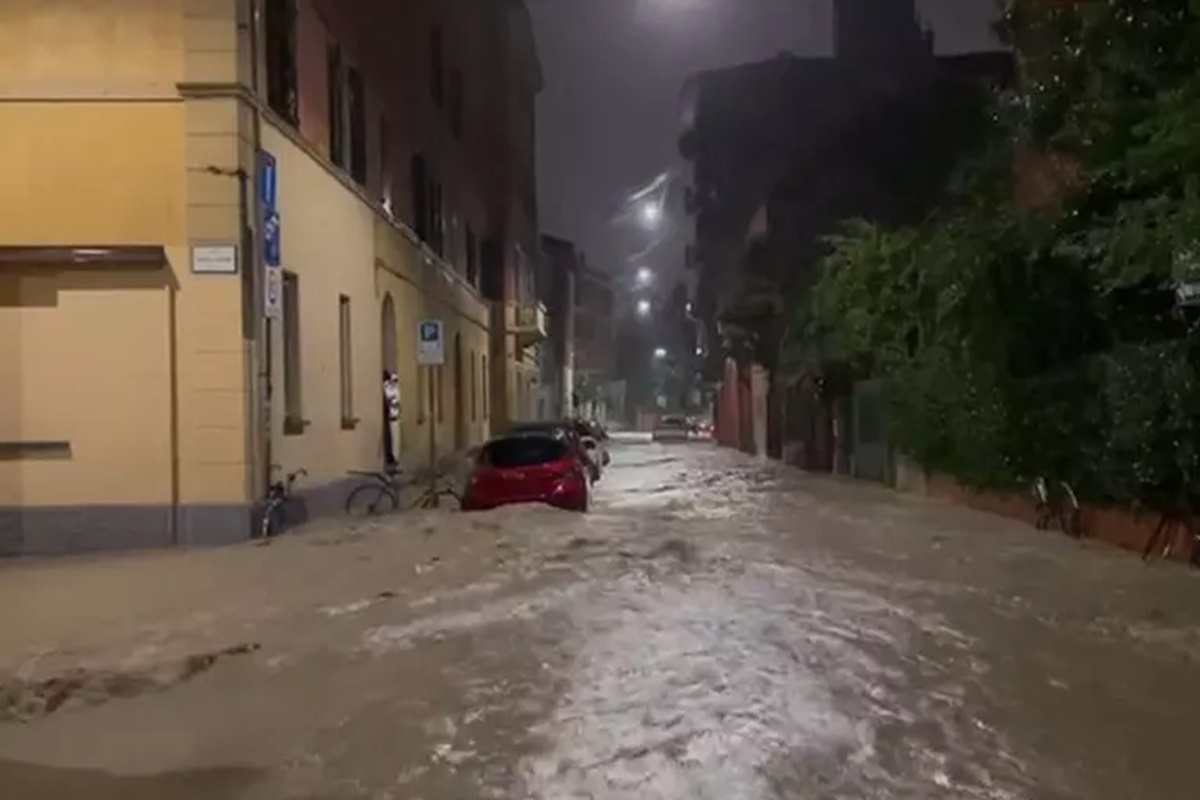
528,468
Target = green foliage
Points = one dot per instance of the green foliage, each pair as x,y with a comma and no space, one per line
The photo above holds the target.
1018,345
1152,449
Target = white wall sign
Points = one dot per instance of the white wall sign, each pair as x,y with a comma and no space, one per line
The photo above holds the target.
431,343
273,293
215,259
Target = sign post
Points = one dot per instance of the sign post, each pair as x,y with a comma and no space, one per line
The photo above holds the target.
268,194
431,353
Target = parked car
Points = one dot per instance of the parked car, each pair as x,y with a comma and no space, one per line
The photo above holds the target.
671,429
595,440
571,431
528,468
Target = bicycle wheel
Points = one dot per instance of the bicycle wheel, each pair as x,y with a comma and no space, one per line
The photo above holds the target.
370,499
426,502
272,521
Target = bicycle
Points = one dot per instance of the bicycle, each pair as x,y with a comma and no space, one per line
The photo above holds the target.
1175,527
437,488
278,495
1061,505
380,493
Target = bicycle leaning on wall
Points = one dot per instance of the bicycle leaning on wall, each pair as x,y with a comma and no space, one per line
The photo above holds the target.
379,493
278,495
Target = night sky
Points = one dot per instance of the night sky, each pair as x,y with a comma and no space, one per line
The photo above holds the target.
608,118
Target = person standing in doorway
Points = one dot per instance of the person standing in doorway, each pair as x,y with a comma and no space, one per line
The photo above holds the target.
391,418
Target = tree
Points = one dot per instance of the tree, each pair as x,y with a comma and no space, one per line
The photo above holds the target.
1020,342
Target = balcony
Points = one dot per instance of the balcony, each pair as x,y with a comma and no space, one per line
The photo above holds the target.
530,324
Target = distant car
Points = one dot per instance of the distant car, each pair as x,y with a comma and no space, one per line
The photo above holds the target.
576,433
528,468
671,429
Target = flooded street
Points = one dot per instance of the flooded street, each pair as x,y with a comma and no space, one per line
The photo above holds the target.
717,628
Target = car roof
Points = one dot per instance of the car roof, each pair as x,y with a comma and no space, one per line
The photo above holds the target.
523,436
551,428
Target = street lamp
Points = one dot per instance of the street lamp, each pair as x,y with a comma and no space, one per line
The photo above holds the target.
643,308
660,352
651,213
645,276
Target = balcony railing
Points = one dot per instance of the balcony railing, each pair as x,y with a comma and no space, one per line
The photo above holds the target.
530,324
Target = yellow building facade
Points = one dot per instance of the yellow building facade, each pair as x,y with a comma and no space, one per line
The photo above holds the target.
148,387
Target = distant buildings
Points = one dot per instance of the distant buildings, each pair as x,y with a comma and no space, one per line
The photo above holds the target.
560,263
157,365
782,152
595,340
578,360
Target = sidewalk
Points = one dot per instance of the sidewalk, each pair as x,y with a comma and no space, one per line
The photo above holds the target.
141,621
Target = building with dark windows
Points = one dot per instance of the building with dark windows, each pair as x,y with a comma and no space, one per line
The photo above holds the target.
782,152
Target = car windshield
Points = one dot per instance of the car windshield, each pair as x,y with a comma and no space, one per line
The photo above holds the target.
522,451
672,422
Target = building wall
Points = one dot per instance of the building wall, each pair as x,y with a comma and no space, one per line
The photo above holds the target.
336,244
136,123
139,372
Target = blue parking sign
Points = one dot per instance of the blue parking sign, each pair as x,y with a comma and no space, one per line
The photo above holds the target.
268,181
431,349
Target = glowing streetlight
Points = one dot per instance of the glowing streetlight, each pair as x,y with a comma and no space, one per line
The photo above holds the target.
651,214
643,308
660,352
645,276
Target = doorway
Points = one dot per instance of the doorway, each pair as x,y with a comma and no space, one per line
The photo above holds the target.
391,406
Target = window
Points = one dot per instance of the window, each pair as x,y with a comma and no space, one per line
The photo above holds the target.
420,197
483,378
292,385
385,175
437,75
457,102
492,263
337,105
523,451
346,357
472,246
358,127
437,219
282,94
454,250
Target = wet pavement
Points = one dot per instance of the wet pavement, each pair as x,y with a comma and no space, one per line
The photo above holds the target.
717,628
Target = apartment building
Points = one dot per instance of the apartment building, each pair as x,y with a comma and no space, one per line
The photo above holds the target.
221,222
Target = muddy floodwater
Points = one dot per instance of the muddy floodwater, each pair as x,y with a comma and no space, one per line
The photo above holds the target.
718,628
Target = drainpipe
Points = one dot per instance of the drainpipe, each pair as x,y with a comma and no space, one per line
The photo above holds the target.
259,366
